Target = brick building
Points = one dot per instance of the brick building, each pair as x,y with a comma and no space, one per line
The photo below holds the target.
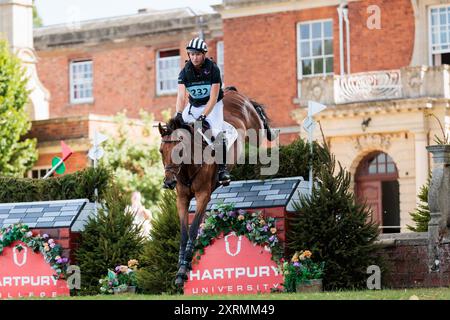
379,66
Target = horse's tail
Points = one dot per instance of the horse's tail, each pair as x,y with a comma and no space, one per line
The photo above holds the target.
270,134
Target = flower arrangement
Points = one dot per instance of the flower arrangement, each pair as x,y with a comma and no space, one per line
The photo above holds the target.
300,270
225,219
120,279
39,243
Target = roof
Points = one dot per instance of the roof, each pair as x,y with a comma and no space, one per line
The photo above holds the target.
249,194
47,214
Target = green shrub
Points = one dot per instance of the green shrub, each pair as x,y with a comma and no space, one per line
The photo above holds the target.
78,185
294,160
335,228
421,215
158,262
107,241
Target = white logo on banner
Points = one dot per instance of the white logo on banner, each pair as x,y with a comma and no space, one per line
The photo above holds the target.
227,245
24,258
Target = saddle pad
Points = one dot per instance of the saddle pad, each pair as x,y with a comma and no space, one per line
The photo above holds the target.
231,134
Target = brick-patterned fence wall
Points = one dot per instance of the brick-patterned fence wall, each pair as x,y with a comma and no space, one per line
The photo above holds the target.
406,258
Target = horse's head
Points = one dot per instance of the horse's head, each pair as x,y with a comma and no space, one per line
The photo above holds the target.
171,150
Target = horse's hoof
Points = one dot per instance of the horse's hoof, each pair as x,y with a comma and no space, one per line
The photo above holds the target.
225,183
179,282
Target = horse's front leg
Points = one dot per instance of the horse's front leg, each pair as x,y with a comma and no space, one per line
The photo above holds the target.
183,200
202,202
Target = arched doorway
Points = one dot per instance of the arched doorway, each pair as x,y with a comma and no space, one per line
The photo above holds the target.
376,183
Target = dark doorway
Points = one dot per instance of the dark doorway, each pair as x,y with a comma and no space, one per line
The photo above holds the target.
391,206
376,184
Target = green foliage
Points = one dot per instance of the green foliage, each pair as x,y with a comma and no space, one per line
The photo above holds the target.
445,139
122,278
136,165
225,219
17,155
158,262
40,243
294,160
335,228
37,20
300,269
78,185
421,215
108,239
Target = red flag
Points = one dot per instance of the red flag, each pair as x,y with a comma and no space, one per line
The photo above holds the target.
66,151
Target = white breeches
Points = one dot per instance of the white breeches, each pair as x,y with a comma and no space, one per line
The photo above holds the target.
214,118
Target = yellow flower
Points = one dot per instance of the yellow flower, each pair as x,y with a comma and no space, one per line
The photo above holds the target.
241,217
295,257
47,248
273,230
262,222
307,254
57,257
133,263
202,225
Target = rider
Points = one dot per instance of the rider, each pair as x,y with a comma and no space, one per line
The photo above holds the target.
201,78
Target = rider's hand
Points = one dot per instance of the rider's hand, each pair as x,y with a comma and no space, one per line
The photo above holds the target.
203,123
179,117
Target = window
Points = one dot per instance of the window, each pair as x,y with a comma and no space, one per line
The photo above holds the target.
81,81
38,172
220,58
381,164
315,48
167,69
440,35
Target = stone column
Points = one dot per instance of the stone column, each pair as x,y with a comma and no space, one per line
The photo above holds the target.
438,202
421,156
16,26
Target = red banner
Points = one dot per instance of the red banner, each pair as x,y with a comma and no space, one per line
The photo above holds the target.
234,265
25,273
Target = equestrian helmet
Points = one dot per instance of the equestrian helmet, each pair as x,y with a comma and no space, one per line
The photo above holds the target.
197,44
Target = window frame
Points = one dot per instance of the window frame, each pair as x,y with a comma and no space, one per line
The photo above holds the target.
160,92
74,100
300,74
430,33
221,58
38,169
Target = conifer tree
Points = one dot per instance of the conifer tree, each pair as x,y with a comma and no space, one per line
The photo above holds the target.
160,255
421,215
108,240
335,228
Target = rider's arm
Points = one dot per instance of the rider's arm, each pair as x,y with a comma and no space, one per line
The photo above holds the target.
181,98
215,87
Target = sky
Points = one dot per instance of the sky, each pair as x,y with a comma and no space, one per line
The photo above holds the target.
69,11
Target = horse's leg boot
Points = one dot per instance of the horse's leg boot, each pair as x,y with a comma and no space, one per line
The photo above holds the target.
224,175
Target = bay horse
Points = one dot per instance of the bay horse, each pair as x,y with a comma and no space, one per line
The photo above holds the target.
200,180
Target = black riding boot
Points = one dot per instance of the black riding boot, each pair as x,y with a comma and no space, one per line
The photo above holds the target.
224,175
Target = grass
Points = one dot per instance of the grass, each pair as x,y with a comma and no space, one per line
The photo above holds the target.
404,294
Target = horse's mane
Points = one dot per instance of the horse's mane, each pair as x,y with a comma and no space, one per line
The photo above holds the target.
175,124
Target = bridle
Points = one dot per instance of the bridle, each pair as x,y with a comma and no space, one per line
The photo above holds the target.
175,169
172,168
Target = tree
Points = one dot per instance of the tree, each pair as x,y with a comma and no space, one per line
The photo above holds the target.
335,228
136,165
37,20
17,155
160,255
109,239
421,215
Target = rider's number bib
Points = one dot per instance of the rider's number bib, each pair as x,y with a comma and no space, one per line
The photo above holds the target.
201,91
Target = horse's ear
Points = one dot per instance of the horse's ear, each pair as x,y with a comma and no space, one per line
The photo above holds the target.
161,129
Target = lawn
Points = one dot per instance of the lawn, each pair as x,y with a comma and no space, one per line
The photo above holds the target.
404,294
